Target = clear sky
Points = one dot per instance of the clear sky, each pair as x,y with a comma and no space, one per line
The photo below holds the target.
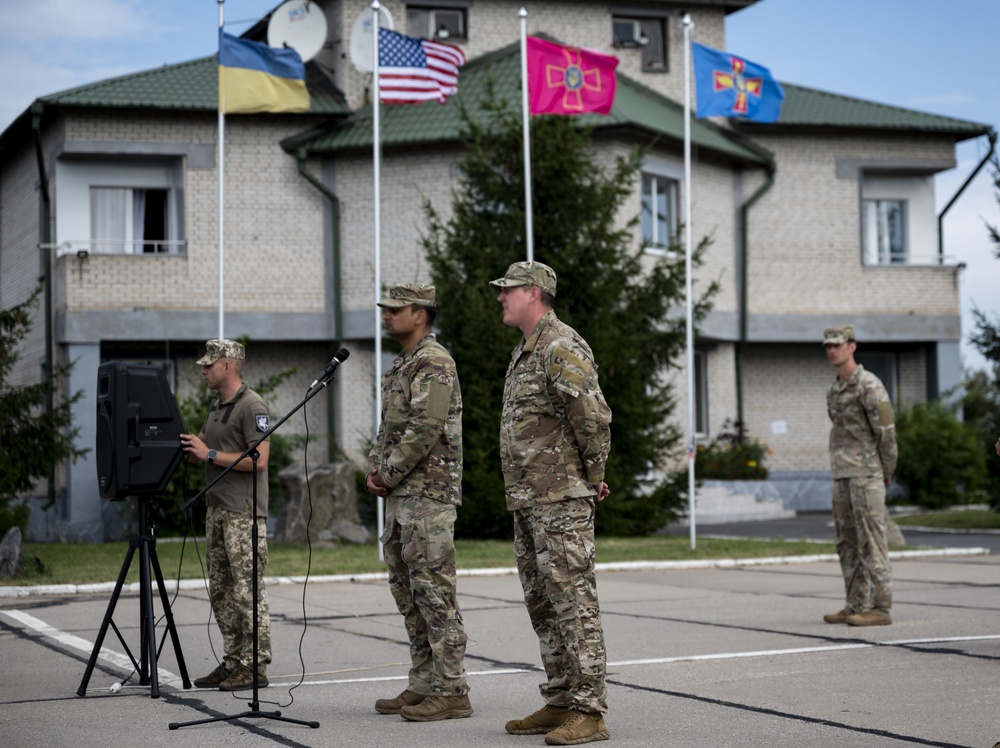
934,56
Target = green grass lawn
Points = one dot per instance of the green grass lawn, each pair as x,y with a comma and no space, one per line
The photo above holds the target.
85,563
959,519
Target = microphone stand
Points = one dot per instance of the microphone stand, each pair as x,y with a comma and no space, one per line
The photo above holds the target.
253,453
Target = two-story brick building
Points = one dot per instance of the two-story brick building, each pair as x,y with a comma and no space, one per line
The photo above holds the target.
110,191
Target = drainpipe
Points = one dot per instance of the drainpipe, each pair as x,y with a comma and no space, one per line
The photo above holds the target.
37,109
338,322
993,141
744,301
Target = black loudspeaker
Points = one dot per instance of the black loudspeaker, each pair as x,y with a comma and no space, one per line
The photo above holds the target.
138,430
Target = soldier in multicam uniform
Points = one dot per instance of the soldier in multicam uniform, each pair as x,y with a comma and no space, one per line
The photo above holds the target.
555,436
416,462
238,418
863,457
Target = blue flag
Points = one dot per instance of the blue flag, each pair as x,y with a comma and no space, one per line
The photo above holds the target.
254,77
729,86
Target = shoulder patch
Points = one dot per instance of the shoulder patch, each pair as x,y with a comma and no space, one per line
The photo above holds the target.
885,414
438,400
263,422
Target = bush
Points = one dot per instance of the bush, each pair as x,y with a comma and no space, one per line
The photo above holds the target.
731,456
941,462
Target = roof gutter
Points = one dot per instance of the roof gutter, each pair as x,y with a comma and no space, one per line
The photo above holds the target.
338,321
992,135
45,231
744,301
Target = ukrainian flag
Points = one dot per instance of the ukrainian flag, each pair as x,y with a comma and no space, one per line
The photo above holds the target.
254,77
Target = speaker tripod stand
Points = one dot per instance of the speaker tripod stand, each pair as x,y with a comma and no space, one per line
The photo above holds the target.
146,667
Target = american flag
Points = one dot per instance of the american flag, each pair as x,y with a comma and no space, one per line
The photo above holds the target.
414,70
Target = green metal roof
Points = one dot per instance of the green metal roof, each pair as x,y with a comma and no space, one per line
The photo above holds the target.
809,107
408,125
186,86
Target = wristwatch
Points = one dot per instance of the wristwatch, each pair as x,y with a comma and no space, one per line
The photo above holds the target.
212,454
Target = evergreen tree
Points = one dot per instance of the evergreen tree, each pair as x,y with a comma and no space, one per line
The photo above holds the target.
624,304
33,438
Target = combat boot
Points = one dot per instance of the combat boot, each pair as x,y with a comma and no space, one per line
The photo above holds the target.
213,679
839,617
869,618
242,680
581,727
392,706
435,708
546,719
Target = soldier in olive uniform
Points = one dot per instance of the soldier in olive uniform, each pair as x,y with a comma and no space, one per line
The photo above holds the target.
238,418
863,458
555,436
416,462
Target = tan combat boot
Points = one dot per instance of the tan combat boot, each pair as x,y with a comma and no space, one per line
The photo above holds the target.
869,618
434,708
392,706
546,719
581,727
839,617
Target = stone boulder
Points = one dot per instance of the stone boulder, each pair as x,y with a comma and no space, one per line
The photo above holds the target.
334,510
10,553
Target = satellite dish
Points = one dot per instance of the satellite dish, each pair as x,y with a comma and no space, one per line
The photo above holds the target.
362,44
300,25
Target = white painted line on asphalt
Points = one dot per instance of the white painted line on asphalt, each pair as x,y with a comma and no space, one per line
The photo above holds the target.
75,642
739,655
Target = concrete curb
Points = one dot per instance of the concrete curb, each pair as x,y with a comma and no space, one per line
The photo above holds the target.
711,563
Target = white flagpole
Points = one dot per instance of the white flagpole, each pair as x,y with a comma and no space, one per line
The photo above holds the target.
222,186
528,228
377,168
687,24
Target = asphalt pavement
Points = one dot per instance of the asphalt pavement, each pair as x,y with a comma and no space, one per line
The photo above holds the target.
734,654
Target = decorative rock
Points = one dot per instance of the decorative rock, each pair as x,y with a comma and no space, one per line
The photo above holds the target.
10,553
334,508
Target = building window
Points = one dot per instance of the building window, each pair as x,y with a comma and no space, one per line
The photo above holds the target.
129,220
883,232
701,393
443,24
659,212
646,34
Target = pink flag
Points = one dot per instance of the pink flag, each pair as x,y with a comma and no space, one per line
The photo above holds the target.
569,80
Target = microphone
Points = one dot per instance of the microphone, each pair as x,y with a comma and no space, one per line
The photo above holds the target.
338,358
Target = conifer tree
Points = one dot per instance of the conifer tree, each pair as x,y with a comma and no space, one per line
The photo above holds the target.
33,437
629,307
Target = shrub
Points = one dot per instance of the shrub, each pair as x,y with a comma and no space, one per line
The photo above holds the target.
731,456
941,462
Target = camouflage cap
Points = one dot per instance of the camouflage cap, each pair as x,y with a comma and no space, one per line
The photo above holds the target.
221,348
837,335
528,274
409,293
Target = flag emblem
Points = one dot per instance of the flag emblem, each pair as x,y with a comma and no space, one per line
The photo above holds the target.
730,86
569,80
414,70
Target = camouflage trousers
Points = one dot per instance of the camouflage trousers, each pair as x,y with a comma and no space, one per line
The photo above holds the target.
554,546
859,516
419,543
229,556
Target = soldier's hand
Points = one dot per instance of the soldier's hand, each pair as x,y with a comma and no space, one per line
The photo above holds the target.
602,490
997,447
373,485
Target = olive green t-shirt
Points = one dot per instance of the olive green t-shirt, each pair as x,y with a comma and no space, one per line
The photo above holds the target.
231,427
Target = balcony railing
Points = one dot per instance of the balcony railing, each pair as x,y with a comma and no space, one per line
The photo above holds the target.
86,247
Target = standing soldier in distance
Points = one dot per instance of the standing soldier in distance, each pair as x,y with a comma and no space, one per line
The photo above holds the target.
863,459
555,436
416,462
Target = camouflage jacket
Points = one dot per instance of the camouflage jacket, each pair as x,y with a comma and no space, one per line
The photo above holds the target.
418,449
863,437
555,428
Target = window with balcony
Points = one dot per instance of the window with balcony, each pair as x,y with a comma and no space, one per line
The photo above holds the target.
883,230
659,212
439,22
129,220
645,34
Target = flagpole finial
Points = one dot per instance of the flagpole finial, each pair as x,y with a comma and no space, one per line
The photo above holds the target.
522,13
375,5
686,21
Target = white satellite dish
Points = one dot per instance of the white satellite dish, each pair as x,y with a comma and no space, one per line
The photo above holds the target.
299,24
362,43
